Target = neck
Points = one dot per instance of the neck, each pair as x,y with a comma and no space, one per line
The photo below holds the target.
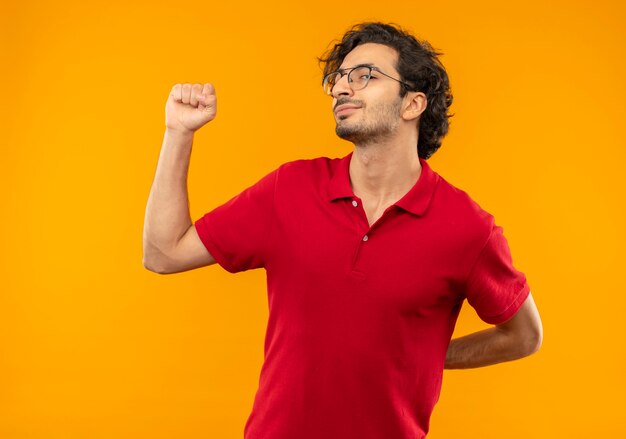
385,171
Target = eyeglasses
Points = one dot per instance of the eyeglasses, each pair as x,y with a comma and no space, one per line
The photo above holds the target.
358,77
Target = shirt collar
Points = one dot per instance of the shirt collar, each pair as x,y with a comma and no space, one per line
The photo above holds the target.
415,201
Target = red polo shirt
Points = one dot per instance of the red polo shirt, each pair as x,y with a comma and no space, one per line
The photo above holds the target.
360,317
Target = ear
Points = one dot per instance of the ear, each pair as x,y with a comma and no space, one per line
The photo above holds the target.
415,104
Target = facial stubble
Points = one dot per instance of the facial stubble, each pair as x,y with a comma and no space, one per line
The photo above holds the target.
384,120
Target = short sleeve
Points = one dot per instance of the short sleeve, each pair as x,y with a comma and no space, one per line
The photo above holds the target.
236,233
495,288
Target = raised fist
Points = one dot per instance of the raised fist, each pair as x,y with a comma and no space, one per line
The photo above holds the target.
190,106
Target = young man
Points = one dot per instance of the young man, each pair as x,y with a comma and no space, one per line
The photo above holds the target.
368,257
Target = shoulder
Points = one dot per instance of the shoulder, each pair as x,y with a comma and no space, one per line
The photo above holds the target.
312,164
460,200
461,212
308,169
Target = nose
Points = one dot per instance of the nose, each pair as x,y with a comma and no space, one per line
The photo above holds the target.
342,87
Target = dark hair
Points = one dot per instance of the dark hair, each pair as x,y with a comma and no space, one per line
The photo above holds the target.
417,64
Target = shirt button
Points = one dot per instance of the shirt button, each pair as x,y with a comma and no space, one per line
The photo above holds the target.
354,203
365,238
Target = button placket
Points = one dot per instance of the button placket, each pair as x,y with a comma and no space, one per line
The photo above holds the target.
362,229
363,245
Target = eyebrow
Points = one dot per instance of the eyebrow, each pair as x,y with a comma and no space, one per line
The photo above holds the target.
358,65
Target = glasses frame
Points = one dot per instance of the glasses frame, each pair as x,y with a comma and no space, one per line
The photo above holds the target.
343,72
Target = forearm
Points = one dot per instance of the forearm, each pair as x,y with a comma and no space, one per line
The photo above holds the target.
484,348
167,212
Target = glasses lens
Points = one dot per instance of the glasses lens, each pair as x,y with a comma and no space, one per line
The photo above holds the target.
359,77
329,82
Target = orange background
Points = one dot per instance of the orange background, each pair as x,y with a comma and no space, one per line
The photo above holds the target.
92,345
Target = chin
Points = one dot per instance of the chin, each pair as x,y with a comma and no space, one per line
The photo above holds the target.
347,134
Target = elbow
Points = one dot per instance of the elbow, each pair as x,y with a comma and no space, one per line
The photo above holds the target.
538,341
532,346
154,267
150,267
153,261
533,341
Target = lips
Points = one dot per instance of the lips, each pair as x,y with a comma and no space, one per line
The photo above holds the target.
345,108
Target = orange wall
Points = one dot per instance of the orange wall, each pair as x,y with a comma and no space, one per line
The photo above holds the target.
92,345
